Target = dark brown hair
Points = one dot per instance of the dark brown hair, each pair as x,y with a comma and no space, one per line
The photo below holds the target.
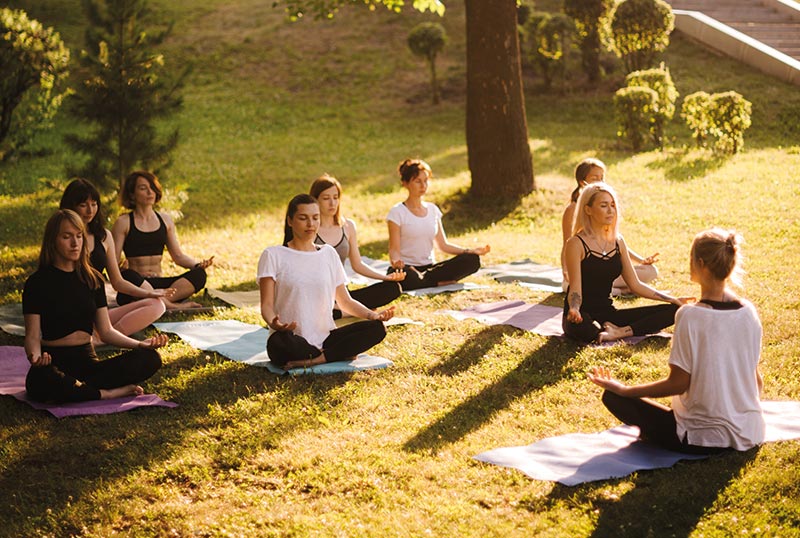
582,170
719,252
126,195
294,203
77,192
323,183
410,168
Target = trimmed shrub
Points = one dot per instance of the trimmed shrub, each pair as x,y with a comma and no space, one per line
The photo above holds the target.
549,39
729,115
640,30
590,16
635,110
660,81
694,112
427,39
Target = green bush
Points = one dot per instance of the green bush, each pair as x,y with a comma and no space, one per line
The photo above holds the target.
549,38
589,16
729,115
694,112
33,63
640,30
635,110
427,40
660,81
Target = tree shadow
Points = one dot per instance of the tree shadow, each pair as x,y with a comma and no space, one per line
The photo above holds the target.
534,372
465,212
662,502
688,165
470,352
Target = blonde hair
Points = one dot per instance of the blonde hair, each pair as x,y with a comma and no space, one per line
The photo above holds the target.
719,252
47,256
582,221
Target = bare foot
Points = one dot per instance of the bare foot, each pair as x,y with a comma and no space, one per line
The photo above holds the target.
185,305
119,392
305,363
612,333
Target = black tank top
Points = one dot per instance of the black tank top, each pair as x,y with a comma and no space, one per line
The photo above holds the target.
138,243
98,257
598,272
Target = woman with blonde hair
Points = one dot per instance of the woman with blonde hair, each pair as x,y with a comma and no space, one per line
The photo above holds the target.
713,365
595,255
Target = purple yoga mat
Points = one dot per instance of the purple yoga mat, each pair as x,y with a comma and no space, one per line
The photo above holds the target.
14,367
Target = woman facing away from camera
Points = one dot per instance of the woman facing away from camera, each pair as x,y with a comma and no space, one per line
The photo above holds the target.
340,233
713,364
414,226
84,199
588,171
142,235
298,283
63,302
596,254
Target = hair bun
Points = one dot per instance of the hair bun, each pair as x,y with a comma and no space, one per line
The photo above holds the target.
731,241
404,166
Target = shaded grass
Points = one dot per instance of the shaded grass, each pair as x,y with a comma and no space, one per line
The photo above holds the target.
269,107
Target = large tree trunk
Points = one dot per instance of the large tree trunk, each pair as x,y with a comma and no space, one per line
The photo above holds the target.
497,129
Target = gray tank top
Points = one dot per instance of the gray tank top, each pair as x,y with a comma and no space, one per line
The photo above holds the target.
342,248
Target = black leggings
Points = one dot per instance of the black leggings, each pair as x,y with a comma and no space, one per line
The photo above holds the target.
656,423
429,276
75,374
374,296
341,344
196,277
642,319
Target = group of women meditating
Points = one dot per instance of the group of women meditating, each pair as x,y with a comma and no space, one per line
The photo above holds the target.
713,376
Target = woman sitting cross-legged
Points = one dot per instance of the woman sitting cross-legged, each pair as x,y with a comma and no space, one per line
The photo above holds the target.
298,282
340,233
713,379
414,226
63,302
595,255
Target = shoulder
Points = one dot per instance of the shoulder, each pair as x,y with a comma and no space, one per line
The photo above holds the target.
397,212
123,222
105,237
349,226
166,219
433,207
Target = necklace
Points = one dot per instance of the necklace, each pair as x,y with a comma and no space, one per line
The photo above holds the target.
604,248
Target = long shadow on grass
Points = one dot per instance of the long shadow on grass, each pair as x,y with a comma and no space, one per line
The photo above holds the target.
685,167
663,502
541,368
52,464
470,352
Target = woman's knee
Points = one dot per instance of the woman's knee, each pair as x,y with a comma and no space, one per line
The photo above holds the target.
197,277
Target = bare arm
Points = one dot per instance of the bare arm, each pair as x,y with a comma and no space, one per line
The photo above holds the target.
266,287
118,233
573,255
175,250
566,233
450,248
641,289
355,308
355,257
394,246
119,283
677,382
110,335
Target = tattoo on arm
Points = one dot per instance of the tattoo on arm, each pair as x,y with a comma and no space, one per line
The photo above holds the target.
575,300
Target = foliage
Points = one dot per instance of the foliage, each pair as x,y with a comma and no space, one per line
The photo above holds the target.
659,80
33,65
427,39
549,39
125,90
729,117
694,112
590,17
640,30
296,9
635,111
524,10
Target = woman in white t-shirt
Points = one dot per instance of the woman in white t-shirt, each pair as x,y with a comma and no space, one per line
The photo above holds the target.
714,379
414,226
299,282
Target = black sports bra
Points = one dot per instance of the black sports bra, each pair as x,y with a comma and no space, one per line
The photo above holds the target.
138,243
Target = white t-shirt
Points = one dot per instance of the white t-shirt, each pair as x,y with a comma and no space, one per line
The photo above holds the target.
720,349
305,288
416,233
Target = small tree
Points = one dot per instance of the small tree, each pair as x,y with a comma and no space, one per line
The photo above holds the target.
729,115
694,112
660,81
426,40
635,112
589,17
33,64
549,39
640,30
123,93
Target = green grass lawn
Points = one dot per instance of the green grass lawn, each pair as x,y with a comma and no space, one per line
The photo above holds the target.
268,107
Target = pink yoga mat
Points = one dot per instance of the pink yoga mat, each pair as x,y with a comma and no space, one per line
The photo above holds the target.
14,367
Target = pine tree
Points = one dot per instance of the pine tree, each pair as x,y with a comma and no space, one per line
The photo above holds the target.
125,90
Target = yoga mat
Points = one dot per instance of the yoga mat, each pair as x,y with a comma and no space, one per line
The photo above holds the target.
526,273
11,319
243,342
458,286
536,318
576,458
14,367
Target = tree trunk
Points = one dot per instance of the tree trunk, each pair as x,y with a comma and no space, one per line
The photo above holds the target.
497,129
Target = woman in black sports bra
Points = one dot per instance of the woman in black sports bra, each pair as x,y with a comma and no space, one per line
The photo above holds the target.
340,233
595,255
84,199
142,235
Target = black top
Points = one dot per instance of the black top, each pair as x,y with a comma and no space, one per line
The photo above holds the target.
98,257
64,303
138,243
598,272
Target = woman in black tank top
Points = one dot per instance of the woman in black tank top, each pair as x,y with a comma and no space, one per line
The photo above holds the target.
83,198
595,255
327,190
